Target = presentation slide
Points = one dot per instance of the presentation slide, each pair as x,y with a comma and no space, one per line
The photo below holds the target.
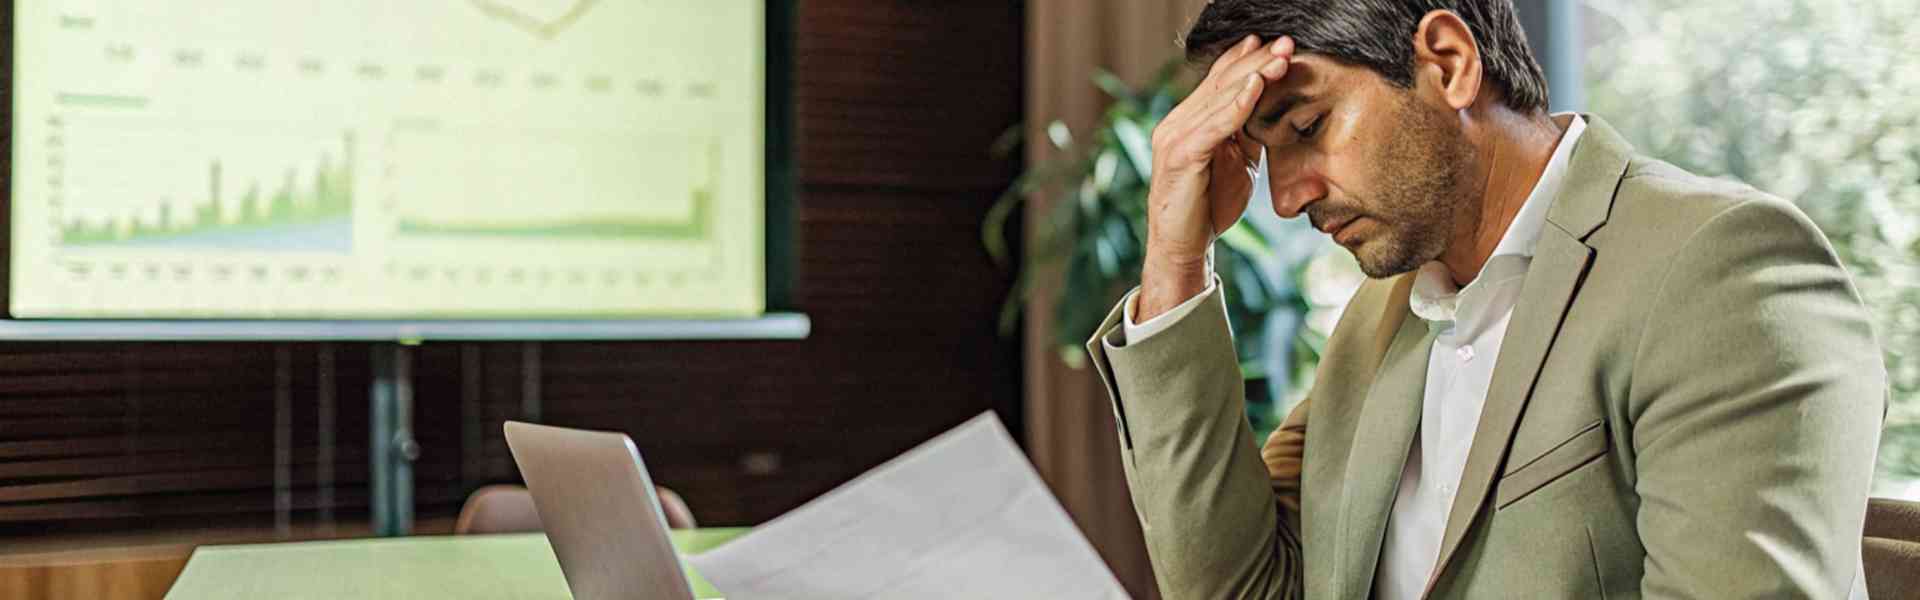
388,159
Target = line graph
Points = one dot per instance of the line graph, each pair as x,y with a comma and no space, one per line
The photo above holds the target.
120,182
473,158
544,25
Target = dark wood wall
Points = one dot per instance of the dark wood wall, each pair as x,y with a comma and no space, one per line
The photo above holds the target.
896,104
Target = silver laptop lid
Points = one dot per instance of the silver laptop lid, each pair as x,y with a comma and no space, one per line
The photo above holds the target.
600,512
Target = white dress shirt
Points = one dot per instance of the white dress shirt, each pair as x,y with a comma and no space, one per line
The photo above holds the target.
1468,325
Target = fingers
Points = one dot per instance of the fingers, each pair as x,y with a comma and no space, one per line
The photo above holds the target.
1229,110
1221,104
1223,84
1250,149
1282,51
1232,55
1221,123
1233,65
1203,94
1225,114
1237,154
1270,61
1230,113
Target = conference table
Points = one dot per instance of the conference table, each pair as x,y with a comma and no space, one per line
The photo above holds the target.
518,565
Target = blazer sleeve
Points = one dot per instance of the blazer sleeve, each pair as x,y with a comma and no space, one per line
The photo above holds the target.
1756,405
1209,515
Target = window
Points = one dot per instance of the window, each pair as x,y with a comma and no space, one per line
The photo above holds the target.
1811,100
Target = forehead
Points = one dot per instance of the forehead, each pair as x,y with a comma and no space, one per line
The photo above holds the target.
1318,77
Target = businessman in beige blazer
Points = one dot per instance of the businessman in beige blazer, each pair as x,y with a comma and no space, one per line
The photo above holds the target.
1575,372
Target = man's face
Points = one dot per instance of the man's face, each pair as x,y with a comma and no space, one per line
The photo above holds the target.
1383,172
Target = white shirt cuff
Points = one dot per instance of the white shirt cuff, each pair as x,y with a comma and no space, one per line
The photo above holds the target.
1137,333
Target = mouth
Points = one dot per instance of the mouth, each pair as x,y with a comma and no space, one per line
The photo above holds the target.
1333,229
1345,232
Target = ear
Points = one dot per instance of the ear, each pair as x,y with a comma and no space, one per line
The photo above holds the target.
1446,59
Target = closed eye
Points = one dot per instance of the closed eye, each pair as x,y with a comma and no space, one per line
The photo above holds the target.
1311,129
1260,127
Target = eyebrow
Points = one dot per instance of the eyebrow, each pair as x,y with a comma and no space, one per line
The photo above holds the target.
1286,105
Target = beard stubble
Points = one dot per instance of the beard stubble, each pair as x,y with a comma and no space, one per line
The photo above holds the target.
1424,190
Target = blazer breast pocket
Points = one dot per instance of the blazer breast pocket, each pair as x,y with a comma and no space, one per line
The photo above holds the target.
1577,451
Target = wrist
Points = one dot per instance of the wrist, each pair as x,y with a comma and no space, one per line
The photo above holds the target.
1168,279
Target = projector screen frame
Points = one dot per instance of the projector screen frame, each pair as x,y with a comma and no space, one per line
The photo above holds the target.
392,449
779,321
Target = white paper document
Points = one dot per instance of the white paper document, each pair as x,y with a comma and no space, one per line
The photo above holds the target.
961,516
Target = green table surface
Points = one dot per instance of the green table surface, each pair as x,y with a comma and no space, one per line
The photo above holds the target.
472,566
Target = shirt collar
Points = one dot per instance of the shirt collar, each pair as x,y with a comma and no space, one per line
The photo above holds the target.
1435,297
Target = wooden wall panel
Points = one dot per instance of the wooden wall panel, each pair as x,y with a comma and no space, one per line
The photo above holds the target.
106,436
896,105
130,578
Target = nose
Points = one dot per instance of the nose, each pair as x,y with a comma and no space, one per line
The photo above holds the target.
1293,186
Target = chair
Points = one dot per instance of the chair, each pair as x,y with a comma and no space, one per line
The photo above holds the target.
509,509
1890,549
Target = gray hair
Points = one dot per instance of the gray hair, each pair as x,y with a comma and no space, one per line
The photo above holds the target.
1377,34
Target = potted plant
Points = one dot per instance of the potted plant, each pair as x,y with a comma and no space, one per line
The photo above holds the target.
1095,230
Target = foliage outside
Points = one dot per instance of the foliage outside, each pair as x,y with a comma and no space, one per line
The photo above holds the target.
1811,100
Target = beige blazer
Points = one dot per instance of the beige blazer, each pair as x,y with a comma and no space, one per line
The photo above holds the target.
1686,405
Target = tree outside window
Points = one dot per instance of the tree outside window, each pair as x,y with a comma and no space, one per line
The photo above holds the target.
1817,101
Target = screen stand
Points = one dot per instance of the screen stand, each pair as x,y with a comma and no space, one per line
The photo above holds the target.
393,448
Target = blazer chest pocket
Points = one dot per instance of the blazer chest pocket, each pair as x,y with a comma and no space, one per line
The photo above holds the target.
1584,447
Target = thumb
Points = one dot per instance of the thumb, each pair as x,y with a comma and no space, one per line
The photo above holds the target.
1235,189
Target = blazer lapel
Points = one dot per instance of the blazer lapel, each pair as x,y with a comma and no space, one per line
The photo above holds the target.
1560,263
1385,434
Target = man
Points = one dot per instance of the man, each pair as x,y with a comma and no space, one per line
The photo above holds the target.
1577,372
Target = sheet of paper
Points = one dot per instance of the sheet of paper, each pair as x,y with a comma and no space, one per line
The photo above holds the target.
961,516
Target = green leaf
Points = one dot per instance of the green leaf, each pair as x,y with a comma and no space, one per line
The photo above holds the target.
1106,257
993,228
1015,303
1138,145
1111,84
1163,77
1246,239
1009,140
1074,356
1063,218
1058,133
1161,104
1082,287
1254,293
1251,369
1089,200
1105,165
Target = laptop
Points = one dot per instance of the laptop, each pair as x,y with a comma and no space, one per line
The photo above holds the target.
600,512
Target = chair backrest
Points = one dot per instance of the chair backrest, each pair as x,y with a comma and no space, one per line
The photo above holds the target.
498,509
1890,549
1893,519
509,509
679,516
